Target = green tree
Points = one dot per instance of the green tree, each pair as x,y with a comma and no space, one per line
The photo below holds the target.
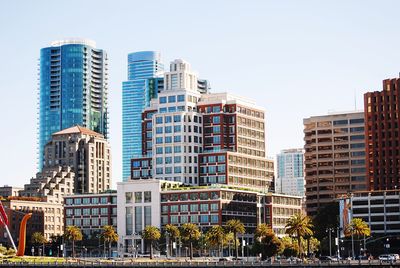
299,225
190,233
173,234
215,237
151,234
236,227
270,244
73,233
38,239
290,247
109,236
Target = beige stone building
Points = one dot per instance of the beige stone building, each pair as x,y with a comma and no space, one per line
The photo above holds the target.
52,184
86,152
334,157
7,190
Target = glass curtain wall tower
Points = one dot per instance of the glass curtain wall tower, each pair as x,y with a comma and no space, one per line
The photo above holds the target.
144,68
73,89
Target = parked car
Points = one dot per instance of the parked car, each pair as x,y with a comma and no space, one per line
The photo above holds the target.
387,257
328,258
294,260
395,256
225,259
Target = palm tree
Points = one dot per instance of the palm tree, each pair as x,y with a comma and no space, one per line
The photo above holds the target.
151,233
215,237
236,227
73,234
173,233
109,236
190,232
38,239
299,225
359,228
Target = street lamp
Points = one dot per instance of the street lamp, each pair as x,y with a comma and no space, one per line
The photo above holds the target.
330,231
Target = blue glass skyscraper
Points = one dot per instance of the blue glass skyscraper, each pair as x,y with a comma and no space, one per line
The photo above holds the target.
143,69
73,89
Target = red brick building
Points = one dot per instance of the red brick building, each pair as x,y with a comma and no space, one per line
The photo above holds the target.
382,136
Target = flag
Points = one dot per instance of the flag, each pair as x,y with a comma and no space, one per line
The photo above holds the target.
3,215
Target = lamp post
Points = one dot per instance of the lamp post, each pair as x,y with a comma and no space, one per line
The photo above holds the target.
330,230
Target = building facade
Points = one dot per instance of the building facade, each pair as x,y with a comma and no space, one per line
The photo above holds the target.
290,172
90,212
47,218
73,89
382,115
334,157
379,209
7,191
51,184
143,84
88,154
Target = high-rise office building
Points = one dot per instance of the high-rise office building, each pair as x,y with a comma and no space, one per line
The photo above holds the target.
382,115
290,175
144,69
334,157
73,89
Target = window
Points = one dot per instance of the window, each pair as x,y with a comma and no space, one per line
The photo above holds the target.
128,197
159,130
216,129
103,211
138,197
184,208
159,140
159,170
177,169
217,139
159,160
203,196
147,196
171,99
194,196
171,109
177,139
173,208
194,218
168,139
77,201
77,212
168,150
174,219
163,99
86,200
214,207
138,219
86,211
168,129
203,207
168,119
194,207
104,200
168,170
214,218
177,149
177,118
177,128
163,110
69,201
211,159
216,120
69,212
177,159
203,218
221,158
164,209
181,98
357,121
184,219
168,160
159,120
95,211
159,150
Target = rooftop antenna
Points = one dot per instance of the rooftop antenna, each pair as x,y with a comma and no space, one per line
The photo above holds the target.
355,101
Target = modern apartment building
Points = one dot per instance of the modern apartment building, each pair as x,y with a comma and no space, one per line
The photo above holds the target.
379,209
382,115
86,152
144,71
290,172
73,89
90,212
334,157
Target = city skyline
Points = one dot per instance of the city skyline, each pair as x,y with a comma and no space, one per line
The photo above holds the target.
359,62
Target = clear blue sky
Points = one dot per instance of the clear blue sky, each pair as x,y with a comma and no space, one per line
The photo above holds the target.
296,58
